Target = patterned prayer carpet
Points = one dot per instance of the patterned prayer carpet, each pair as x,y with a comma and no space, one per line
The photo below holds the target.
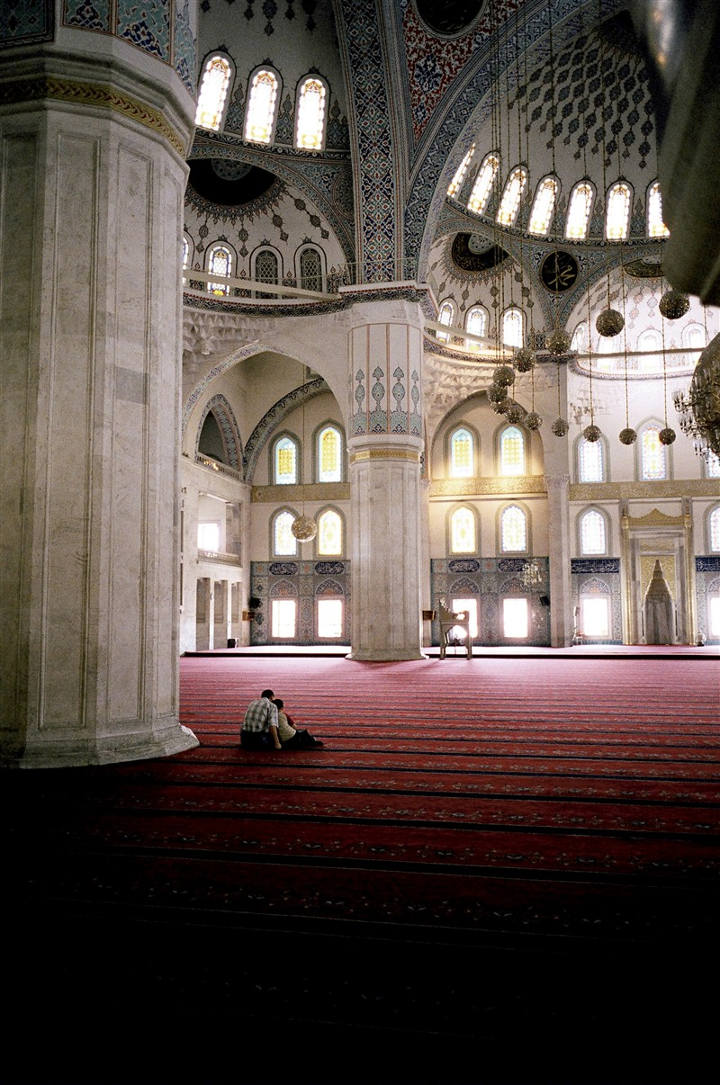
498,869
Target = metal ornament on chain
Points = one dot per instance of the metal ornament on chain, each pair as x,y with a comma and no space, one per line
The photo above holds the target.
674,304
524,360
610,322
700,407
558,341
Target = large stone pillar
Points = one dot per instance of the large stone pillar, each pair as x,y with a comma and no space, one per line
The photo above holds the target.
93,132
385,451
561,620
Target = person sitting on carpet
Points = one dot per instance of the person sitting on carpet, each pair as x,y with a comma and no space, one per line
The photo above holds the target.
260,726
291,737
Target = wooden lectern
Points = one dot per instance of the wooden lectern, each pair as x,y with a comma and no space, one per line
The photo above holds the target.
449,620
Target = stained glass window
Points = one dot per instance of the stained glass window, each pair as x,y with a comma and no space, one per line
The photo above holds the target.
285,462
310,125
652,455
310,270
591,461
284,542
579,339
592,533
330,533
483,184
513,330
461,454
185,252
655,225
510,203
219,263
330,617
543,207
512,452
513,529
213,93
712,465
476,323
595,615
284,614
715,530
266,269
617,222
329,455
445,316
462,532
260,115
515,618
578,218
456,183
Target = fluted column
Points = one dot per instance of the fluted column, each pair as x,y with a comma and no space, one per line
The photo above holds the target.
561,623
385,451
93,132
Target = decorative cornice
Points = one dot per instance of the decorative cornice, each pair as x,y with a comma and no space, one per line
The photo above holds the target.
385,452
294,494
617,491
97,95
486,487
654,519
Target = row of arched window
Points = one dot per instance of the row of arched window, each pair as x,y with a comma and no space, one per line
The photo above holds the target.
265,265
653,458
285,457
618,204
329,541
513,531
477,322
263,99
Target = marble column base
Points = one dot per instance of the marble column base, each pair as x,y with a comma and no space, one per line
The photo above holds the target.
169,739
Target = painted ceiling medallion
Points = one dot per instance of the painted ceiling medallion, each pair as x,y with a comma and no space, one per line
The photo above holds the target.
450,17
470,252
559,271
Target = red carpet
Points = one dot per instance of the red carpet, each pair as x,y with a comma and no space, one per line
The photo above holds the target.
551,826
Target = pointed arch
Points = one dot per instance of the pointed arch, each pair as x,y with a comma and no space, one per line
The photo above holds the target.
213,94
224,416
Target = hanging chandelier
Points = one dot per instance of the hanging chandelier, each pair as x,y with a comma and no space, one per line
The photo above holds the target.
700,407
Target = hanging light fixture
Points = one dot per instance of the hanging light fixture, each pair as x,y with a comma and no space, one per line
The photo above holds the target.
303,527
700,407
673,304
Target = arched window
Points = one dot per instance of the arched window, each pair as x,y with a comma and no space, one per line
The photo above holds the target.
330,534
591,461
649,340
329,454
653,458
446,317
543,207
462,532
578,216
476,323
714,530
462,459
512,451
285,462
310,270
593,533
712,465
510,203
185,253
266,269
513,327
579,338
456,183
212,96
483,184
261,107
220,262
655,225
513,530
284,543
311,112
617,218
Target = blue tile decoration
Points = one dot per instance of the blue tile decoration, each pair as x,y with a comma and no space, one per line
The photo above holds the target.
488,579
374,140
23,22
88,14
184,46
227,422
709,563
595,565
145,23
305,581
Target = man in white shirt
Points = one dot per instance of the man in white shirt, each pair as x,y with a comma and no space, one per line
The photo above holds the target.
260,726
